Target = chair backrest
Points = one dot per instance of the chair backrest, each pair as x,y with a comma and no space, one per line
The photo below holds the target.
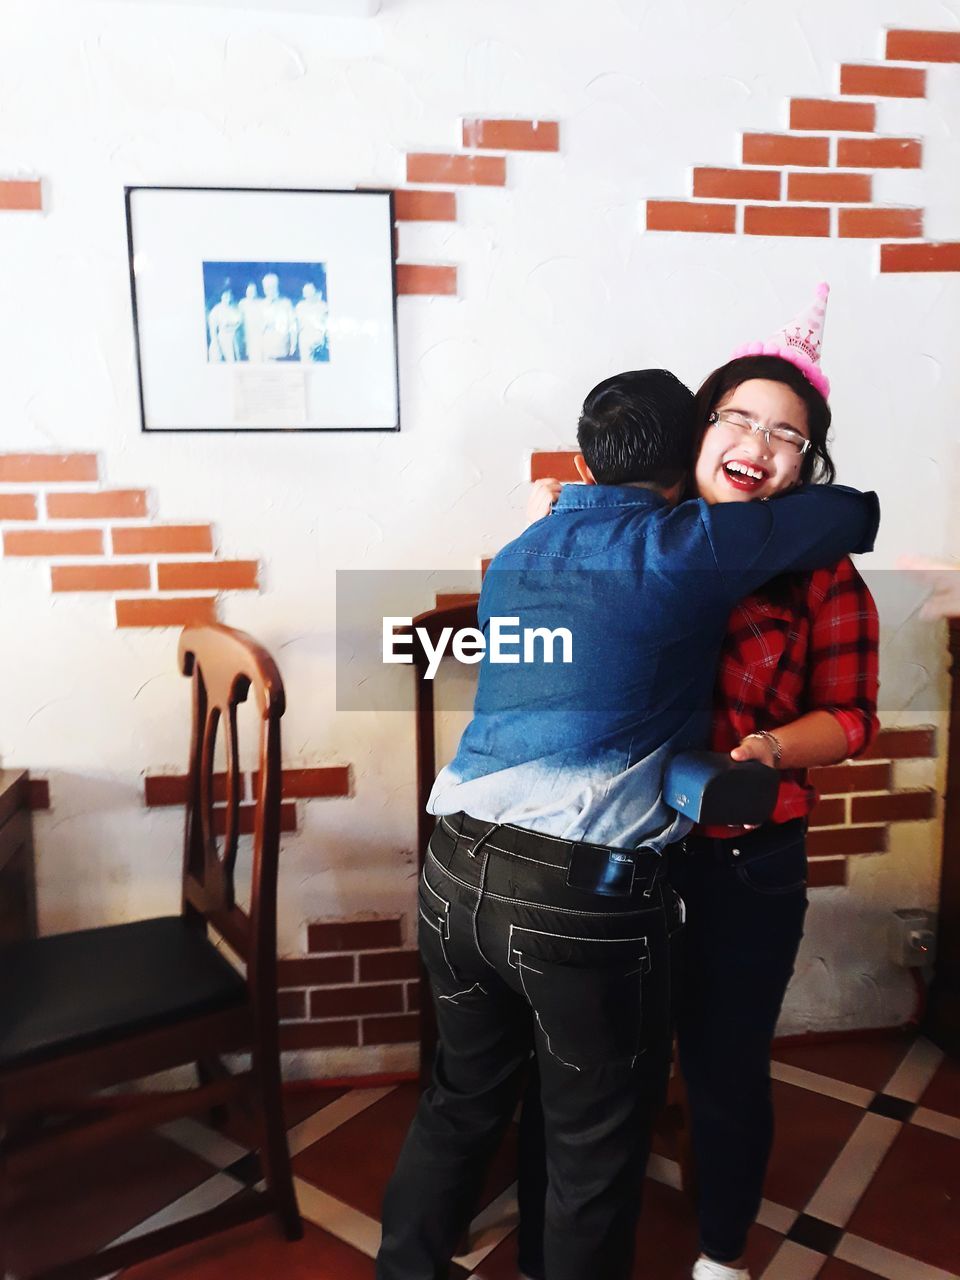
225,665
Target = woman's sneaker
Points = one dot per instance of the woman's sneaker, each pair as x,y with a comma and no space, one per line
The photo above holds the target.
707,1269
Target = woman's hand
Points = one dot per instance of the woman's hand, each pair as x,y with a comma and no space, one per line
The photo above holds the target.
752,748
542,497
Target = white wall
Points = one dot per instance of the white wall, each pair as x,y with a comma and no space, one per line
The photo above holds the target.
558,288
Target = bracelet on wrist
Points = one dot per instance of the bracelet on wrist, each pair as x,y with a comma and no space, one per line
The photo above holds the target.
774,743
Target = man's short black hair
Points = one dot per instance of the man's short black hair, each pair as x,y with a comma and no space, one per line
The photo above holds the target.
637,428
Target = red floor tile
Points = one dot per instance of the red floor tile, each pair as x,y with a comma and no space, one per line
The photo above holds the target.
354,1163
911,1205
837,1270
255,1251
811,1131
868,1063
943,1092
80,1205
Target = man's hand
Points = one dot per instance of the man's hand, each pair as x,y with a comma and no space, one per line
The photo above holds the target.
752,748
542,497
944,582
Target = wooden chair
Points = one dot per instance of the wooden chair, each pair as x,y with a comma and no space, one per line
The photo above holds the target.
83,1011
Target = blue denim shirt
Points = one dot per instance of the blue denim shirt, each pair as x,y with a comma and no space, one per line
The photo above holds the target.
577,750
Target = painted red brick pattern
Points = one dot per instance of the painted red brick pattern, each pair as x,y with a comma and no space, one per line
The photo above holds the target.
53,542
883,82
316,971
901,806
903,744
101,505
824,873
162,539
425,206
208,575
18,506
841,779
144,612
483,171
99,577
247,816
816,113
920,257
557,463
837,840
737,184
686,215
431,279
829,813
775,220
162,789
47,468
879,224
22,195
307,784
319,1035
842,188
354,935
923,46
511,135
398,1030
340,1002
389,966
785,149
879,153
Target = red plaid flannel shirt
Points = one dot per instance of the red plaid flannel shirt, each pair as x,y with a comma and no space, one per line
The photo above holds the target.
819,653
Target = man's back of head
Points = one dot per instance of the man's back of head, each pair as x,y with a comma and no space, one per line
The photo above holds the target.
637,428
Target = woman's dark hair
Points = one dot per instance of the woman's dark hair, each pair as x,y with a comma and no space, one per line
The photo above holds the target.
636,428
817,466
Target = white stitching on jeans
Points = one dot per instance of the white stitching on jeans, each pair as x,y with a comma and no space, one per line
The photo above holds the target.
550,1049
566,937
476,987
439,898
443,949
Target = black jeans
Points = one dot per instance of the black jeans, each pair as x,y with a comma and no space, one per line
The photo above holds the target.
746,900
520,961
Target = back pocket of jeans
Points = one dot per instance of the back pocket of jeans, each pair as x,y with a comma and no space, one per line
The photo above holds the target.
588,1007
434,933
783,870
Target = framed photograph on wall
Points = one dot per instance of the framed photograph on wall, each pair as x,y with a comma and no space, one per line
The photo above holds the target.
260,310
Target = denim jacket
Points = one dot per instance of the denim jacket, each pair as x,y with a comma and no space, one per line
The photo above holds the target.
577,749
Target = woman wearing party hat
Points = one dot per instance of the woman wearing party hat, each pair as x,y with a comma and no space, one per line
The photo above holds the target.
796,687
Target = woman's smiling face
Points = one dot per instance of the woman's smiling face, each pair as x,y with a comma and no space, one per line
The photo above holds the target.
738,465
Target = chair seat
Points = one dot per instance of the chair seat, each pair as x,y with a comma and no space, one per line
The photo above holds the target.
74,991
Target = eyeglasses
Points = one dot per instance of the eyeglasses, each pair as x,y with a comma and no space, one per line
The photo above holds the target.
781,439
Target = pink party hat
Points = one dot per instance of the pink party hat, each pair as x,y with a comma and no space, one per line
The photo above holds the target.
799,342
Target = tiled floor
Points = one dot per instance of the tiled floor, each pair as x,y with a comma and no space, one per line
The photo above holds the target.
864,1182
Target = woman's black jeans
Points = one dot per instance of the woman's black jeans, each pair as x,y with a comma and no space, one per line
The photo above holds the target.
524,955
745,900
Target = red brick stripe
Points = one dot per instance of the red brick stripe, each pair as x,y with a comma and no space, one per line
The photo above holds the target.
425,206
16,194
165,613
822,187
879,153
53,542
402,1029
307,784
119,503
737,184
292,1005
842,779
770,220
829,813
440,281
777,148
47,468
483,171
339,1002
685,215
354,935
18,506
847,840
319,1035
208,575
924,46
878,224
247,817
512,135
901,806
389,966
903,744
816,113
100,577
920,257
315,971
161,789
162,539
884,82
826,873
557,465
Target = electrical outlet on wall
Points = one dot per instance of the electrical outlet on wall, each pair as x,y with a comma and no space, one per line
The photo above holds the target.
912,937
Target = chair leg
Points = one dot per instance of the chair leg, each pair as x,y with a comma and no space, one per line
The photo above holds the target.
207,1072
274,1151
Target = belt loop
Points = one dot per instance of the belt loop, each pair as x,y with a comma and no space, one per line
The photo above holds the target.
648,892
478,844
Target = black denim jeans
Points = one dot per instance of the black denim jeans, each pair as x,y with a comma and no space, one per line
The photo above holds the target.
746,900
520,961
